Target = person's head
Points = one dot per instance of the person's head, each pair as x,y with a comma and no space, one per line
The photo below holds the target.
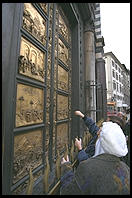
122,116
117,120
111,140
127,111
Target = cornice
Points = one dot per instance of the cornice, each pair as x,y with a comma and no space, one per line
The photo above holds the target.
87,14
87,11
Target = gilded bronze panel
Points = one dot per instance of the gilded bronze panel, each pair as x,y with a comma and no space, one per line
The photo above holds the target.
62,105
62,136
31,61
62,78
44,7
27,153
29,105
34,23
47,140
63,29
62,52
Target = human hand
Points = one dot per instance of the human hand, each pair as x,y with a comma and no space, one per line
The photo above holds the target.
78,143
65,160
78,113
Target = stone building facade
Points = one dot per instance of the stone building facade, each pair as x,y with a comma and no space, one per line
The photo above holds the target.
117,81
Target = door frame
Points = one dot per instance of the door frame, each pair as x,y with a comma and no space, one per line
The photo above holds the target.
11,24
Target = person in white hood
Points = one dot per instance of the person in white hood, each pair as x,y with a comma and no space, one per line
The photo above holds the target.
111,140
103,173
110,131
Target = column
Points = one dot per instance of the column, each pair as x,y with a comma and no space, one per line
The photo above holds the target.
101,79
89,61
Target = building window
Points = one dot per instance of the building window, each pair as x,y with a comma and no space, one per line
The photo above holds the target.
113,73
119,78
120,89
113,63
114,96
117,87
116,76
114,85
116,66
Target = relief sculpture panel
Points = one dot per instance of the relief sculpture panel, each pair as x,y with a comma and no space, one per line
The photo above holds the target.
62,52
29,105
34,23
63,28
44,7
62,136
27,153
62,78
31,61
62,104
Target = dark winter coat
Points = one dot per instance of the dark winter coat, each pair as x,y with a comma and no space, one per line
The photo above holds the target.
90,150
104,174
126,159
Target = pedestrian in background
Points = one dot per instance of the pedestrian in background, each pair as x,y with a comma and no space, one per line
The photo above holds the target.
122,116
127,114
118,120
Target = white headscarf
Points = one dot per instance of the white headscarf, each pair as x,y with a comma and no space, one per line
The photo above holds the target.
112,140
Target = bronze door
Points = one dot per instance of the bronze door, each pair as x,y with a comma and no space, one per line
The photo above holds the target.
43,91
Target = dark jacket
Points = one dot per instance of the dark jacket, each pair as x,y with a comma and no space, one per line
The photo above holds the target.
90,150
126,159
104,174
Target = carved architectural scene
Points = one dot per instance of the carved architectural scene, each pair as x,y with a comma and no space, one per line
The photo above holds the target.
63,101
62,105
31,61
29,105
27,153
62,136
34,23
63,52
62,78
44,6
63,29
